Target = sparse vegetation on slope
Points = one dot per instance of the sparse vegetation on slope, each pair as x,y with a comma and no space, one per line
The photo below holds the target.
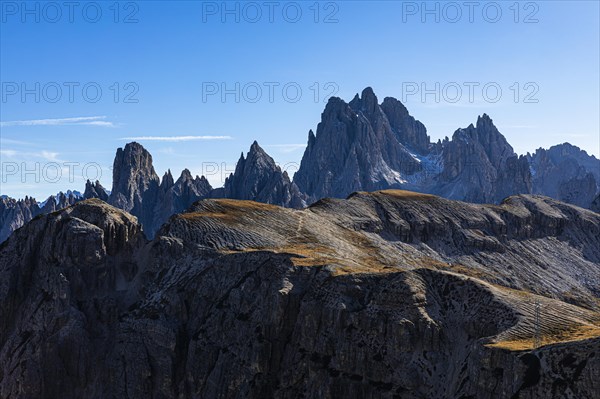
379,295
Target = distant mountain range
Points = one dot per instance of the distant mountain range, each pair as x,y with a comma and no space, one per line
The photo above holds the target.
168,287
366,146
362,145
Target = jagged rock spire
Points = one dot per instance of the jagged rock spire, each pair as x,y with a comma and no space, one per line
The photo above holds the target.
258,178
95,190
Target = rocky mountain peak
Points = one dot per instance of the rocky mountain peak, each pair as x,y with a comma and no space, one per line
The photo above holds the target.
255,147
14,213
95,190
334,107
58,201
135,183
167,180
481,166
362,146
134,158
567,173
358,148
201,180
133,177
176,197
484,120
189,186
258,158
257,177
186,175
488,134
367,102
311,137
408,130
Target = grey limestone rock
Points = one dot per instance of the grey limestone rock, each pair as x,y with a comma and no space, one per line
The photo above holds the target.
382,295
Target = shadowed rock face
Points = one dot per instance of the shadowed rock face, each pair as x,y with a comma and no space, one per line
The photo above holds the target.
135,183
409,131
138,189
480,166
95,190
566,173
363,145
387,294
175,197
258,178
358,148
15,213
596,204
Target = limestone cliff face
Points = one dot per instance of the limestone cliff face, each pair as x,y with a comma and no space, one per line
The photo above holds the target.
135,183
480,166
357,147
138,189
176,196
258,178
360,145
596,204
566,173
408,130
363,145
15,213
95,190
387,294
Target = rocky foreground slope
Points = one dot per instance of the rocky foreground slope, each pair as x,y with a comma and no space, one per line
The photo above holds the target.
385,294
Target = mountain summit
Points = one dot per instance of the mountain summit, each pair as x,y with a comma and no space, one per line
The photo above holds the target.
364,145
357,148
257,177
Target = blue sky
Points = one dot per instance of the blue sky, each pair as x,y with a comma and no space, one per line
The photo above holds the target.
161,68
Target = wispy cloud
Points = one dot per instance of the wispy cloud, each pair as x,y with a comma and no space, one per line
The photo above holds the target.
49,156
167,150
21,155
78,121
8,153
13,142
175,138
286,148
